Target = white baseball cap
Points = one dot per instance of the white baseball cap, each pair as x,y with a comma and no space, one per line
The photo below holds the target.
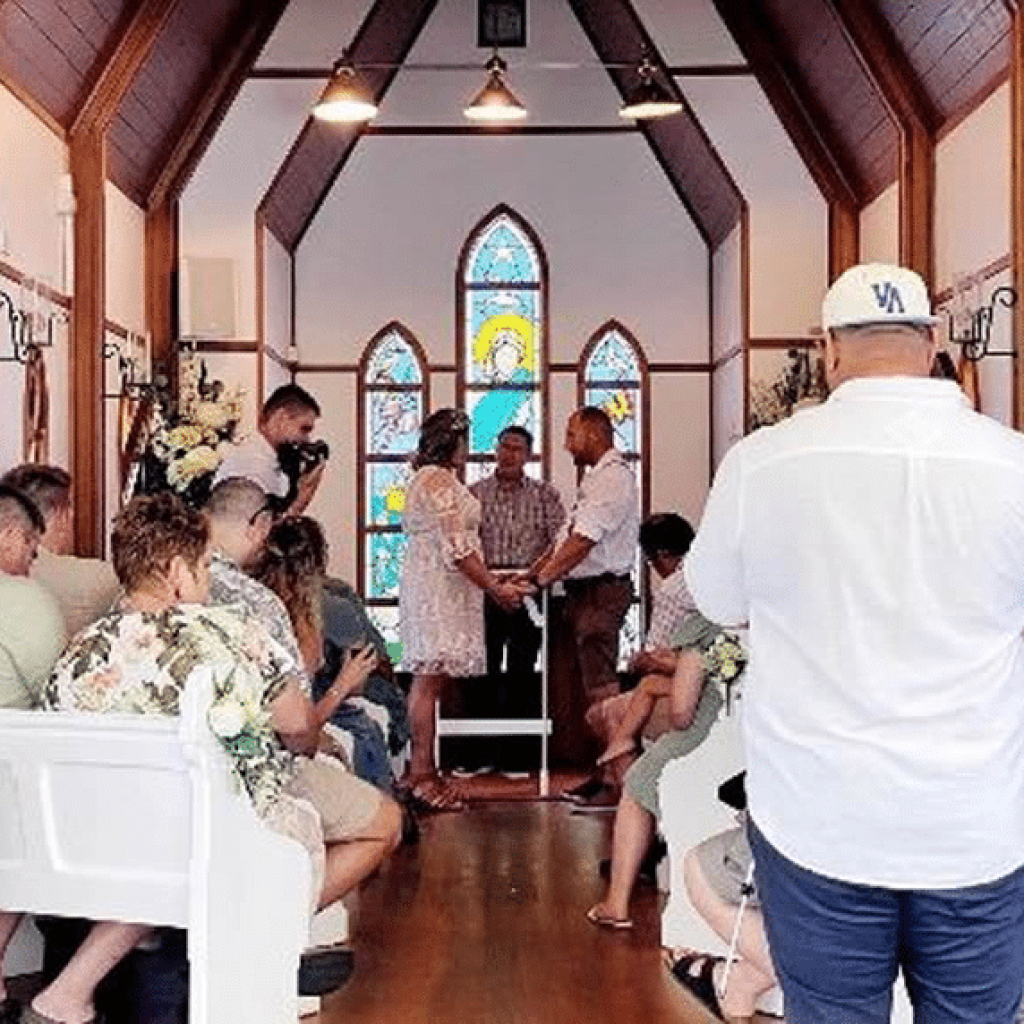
877,293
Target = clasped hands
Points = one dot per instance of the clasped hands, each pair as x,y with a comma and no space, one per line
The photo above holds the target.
510,590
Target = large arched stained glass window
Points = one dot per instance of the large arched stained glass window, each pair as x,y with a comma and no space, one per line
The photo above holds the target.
392,399
503,344
613,376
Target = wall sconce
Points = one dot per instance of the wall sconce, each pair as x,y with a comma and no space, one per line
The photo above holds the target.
970,322
28,328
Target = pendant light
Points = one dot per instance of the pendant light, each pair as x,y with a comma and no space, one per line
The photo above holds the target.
650,99
346,100
495,102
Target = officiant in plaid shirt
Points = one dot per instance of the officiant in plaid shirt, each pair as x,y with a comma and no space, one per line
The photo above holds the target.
519,518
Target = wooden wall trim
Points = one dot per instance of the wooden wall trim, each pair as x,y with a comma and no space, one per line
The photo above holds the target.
16,276
985,273
956,119
27,100
161,284
88,169
843,238
800,341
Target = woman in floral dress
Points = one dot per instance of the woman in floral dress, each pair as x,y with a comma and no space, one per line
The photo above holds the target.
441,595
139,659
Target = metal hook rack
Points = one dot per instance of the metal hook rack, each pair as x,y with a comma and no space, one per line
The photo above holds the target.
22,327
975,339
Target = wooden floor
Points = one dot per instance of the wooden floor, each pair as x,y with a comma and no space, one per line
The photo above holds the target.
482,923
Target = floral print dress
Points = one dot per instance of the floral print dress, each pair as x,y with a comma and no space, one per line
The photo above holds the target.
441,611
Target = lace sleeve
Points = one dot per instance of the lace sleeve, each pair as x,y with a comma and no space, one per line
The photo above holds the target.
448,503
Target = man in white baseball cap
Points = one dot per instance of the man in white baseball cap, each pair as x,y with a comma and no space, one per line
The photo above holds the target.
874,544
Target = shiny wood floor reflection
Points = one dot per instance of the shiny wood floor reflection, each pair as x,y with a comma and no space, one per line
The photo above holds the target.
482,923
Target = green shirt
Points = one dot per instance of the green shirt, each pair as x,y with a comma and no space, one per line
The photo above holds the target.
32,636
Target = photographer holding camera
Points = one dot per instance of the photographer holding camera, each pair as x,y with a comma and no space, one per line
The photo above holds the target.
280,456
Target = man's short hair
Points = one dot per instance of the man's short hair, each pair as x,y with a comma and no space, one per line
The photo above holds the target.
150,532
517,431
49,487
291,398
597,419
236,500
667,533
17,509
869,332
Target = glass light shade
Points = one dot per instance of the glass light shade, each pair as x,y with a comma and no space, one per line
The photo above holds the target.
345,100
650,99
495,102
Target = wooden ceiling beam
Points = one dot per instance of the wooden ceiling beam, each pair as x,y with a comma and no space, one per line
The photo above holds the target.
757,39
305,178
679,143
88,156
129,54
253,26
916,117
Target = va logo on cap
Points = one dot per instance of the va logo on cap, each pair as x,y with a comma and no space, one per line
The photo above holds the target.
887,295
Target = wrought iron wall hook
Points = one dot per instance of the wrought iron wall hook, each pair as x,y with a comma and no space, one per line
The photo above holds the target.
974,342
21,330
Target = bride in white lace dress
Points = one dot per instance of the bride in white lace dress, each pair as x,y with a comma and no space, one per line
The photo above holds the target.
444,579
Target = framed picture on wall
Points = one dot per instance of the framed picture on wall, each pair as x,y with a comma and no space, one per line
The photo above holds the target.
782,381
501,23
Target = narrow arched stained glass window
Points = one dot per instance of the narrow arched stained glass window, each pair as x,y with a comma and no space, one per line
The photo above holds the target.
502,352
613,377
392,399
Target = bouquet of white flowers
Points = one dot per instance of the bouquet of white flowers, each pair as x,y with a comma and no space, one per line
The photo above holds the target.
724,661
189,441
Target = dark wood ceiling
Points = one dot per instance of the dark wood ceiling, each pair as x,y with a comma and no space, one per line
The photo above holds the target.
808,54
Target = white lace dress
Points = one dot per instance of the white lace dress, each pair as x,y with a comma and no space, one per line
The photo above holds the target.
441,611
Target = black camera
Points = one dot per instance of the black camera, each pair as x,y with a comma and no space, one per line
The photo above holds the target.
297,458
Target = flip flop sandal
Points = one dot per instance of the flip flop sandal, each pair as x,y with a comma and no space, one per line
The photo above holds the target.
433,798
30,1016
701,985
603,920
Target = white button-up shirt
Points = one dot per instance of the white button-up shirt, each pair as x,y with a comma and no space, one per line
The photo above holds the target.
607,511
876,546
255,459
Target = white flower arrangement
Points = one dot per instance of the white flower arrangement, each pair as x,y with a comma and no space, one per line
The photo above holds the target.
188,443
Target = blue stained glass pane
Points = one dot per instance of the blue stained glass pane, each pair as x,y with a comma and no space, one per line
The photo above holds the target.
613,358
623,407
491,411
384,553
385,487
503,337
393,421
393,362
502,253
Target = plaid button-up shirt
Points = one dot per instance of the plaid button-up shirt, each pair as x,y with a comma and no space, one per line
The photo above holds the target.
518,520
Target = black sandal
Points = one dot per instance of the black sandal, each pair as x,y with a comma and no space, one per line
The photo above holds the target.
701,985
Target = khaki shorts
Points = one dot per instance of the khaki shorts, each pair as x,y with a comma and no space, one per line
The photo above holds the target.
725,860
324,803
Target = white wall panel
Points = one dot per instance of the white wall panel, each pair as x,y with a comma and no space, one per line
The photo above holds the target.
788,217
880,228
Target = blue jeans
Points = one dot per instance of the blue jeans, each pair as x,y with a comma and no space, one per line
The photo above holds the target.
837,946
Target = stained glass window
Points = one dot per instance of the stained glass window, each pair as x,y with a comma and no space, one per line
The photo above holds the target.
613,377
502,353
392,399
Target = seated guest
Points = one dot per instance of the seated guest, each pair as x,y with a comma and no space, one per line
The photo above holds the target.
664,540
85,588
32,632
139,659
717,876
292,563
347,624
707,657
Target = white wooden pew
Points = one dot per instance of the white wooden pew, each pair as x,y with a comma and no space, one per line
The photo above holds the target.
134,818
